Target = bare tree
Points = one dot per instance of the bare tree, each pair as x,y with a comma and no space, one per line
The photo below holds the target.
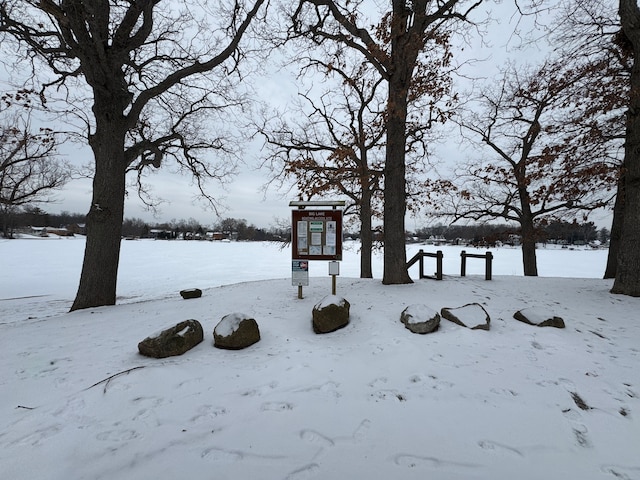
146,67
590,31
338,149
393,47
335,149
30,169
544,162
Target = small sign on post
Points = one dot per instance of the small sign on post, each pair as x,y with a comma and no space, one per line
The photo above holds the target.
334,271
316,234
300,275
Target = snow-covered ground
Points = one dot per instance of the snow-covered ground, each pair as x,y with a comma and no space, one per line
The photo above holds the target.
370,401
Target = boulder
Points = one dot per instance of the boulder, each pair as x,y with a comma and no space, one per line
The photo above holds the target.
471,315
538,317
330,314
172,341
236,331
420,319
191,293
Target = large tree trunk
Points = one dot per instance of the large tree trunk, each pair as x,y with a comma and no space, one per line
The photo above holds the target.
366,236
627,280
529,261
404,51
395,254
616,231
104,220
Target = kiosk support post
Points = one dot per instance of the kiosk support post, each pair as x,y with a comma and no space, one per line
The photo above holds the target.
334,271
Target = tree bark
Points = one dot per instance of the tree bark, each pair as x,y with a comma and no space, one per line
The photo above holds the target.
366,236
627,280
405,46
529,260
104,221
616,231
395,204
527,226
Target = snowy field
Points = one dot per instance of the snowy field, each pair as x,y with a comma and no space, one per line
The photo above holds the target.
371,401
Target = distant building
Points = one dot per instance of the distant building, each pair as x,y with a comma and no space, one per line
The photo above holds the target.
77,228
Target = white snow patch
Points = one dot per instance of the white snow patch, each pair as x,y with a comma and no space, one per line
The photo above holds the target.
330,300
469,314
537,315
229,324
418,313
368,402
183,332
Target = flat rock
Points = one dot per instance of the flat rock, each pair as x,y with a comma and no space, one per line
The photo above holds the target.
172,341
191,293
539,317
471,315
420,319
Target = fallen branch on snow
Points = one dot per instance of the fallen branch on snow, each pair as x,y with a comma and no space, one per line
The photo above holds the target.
108,379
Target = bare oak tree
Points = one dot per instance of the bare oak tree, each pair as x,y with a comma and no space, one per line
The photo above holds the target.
589,31
146,66
30,169
336,148
543,162
393,46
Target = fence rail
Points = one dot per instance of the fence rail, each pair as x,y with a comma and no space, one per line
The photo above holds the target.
488,259
419,257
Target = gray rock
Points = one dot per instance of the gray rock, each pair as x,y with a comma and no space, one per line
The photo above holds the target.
539,318
236,331
330,314
172,341
420,319
191,293
471,315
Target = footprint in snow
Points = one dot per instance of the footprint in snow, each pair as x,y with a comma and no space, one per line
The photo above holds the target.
302,473
415,461
498,447
314,437
276,406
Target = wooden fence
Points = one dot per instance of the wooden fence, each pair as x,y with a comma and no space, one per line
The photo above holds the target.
487,269
419,257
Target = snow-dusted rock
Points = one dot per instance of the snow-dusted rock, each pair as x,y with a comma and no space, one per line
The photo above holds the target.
236,331
538,317
330,314
420,319
191,293
172,341
471,315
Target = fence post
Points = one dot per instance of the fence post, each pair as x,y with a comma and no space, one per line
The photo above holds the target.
439,264
463,263
421,263
487,274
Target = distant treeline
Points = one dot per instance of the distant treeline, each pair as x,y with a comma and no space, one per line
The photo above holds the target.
239,229
556,231
236,229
